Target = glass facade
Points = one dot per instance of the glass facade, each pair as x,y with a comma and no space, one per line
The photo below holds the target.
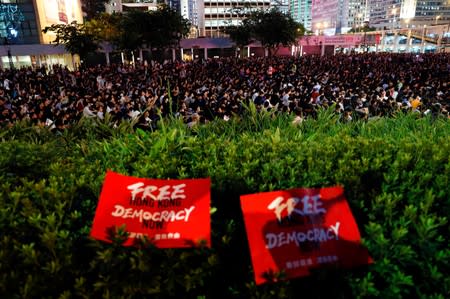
22,43
18,22
392,13
326,14
433,10
385,13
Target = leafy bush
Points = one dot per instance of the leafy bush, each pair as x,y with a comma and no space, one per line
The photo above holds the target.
395,173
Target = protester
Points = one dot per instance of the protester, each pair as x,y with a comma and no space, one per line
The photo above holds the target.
361,86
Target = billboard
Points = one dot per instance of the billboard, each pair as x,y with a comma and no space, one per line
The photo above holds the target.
57,12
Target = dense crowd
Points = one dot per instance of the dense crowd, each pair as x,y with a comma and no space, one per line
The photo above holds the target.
357,86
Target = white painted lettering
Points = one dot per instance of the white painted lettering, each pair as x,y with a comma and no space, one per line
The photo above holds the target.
188,213
141,215
312,235
148,192
178,191
311,205
156,217
282,239
147,215
119,211
271,241
291,238
135,189
335,229
166,192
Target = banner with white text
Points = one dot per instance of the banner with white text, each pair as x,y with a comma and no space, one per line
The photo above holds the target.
297,230
169,213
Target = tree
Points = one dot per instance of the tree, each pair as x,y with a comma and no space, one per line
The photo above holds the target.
92,8
105,28
170,27
364,28
74,37
162,28
273,29
240,35
134,29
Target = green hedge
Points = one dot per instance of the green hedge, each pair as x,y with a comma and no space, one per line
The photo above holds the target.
395,172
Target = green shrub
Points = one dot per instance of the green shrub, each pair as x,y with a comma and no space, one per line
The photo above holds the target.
395,173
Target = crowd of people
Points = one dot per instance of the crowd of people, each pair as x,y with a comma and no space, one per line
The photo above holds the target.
356,86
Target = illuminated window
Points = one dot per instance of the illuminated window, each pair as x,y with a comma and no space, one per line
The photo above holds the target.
18,22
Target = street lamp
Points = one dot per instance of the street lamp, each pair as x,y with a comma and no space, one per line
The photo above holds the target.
321,27
407,22
437,18
423,38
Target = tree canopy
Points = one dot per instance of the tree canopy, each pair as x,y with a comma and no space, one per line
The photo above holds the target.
74,37
272,28
362,29
92,8
105,27
162,28
241,35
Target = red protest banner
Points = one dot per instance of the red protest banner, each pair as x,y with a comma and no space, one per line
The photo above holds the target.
297,230
171,213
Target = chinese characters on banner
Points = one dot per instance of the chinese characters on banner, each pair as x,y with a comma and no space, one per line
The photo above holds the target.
171,213
301,229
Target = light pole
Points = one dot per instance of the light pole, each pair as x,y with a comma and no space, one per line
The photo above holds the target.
11,63
407,22
437,18
394,12
6,43
423,38
319,25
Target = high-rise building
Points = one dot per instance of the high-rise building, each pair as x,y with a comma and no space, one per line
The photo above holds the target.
390,14
124,5
385,13
18,23
215,15
358,13
174,4
435,11
338,16
21,24
327,14
300,11
189,11
281,5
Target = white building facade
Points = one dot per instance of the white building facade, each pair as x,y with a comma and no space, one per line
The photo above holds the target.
123,5
215,15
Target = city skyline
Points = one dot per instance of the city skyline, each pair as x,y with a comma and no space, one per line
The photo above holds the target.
209,17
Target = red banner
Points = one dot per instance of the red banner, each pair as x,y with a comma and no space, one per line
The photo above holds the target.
297,230
170,213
